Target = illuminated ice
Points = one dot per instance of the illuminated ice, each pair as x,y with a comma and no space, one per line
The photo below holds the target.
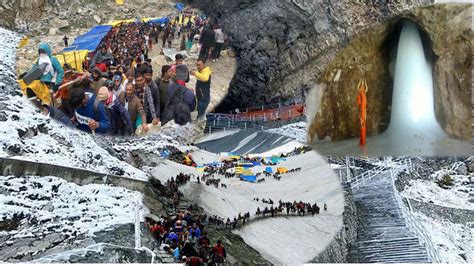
412,103
413,128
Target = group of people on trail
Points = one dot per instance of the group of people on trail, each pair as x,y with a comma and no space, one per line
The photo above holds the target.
291,208
183,236
119,92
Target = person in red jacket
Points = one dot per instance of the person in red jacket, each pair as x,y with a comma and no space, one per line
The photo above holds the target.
218,253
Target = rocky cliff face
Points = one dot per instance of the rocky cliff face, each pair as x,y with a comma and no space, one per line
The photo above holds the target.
285,46
34,16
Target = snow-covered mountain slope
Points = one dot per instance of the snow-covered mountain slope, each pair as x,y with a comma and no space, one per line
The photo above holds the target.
441,194
297,131
40,213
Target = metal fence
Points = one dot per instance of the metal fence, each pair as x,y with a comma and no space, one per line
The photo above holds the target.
398,166
412,222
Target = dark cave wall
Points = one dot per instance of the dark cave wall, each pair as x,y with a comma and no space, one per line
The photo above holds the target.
284,46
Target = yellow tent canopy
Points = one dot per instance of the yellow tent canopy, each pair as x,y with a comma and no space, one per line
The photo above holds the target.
73,58
119,2
239,170
282,170
114,23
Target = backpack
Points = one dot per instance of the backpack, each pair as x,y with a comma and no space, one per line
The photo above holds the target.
96,110
175,107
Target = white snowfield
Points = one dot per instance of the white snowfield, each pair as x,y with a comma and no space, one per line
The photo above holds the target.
454,197
451,239
82,209
297,131
277,239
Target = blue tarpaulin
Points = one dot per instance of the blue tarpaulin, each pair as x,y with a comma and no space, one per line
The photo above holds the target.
249,178
268,170
159,20
257,164
90,40
179,6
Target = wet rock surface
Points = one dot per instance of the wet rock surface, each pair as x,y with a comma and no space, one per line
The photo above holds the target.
284,46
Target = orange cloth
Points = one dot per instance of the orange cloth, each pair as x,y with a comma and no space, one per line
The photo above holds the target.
362,104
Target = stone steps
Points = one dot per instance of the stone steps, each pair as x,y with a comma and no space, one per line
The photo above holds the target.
383,236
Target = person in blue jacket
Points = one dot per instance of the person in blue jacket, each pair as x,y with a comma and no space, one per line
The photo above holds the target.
119,117
53,75
89,114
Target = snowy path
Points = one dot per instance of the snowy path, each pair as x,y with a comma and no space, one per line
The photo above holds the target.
384,236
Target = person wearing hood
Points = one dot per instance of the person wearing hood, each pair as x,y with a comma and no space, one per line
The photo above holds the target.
117,85
89,114
97,80
102,57
53,74
118,115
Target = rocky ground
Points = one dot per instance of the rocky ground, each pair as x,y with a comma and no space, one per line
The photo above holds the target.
222,70
53,22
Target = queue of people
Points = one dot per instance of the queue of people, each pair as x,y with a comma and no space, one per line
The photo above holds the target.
119,92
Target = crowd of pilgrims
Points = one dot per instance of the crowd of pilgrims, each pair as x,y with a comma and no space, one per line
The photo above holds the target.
119,91
185,237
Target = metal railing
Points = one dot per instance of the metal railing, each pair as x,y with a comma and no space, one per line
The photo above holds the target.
271,106
397,167
412,222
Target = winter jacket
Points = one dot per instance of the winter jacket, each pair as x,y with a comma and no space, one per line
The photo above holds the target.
220,250
195,233
118,115
87,112
208,37
203,84
181,102
188,97
58,69
100,58
155,92
135,107
56,114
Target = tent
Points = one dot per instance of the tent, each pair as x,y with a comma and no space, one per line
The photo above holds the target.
73,58
282,170
249,178
90,40
179,6
200,168
115,23
257,164
239,170
268,169
159,20
119,2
